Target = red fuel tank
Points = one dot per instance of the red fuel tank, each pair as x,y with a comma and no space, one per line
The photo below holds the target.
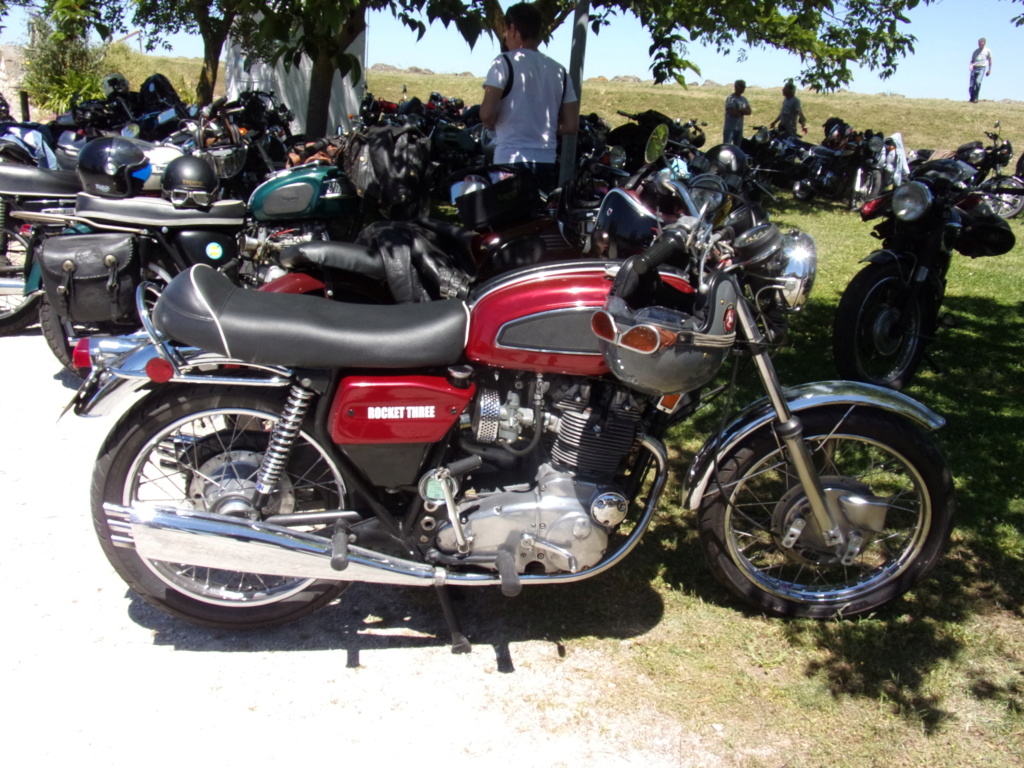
538,319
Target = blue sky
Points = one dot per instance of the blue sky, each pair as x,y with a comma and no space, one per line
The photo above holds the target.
947,33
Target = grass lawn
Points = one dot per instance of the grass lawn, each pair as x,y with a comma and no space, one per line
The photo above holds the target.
935,678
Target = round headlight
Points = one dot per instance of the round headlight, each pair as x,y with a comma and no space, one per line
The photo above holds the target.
875,143
762,136
616,157
911,201
797,267
708,190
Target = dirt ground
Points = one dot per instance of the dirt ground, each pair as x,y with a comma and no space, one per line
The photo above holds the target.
89,670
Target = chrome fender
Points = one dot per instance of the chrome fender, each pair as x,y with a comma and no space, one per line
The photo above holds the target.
120,370
801,398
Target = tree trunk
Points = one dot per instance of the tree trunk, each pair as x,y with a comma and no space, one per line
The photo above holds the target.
321,80
321,76
208,76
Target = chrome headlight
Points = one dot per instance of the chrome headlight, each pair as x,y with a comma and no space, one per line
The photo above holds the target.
875,143
911,201
708,190
616,156
798,264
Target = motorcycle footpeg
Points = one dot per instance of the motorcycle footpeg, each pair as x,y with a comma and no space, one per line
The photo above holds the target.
511,584
339,548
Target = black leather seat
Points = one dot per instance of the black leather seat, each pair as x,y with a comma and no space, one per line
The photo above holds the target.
30,181
203,308
157,212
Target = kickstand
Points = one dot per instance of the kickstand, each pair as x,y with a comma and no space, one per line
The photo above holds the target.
932,364
459,642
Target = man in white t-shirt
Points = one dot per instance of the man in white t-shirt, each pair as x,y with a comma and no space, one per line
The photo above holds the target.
528,100
981,66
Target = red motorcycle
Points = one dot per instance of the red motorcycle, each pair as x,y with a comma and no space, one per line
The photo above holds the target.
286,446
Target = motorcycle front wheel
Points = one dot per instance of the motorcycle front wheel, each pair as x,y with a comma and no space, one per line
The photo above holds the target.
199,448
866,455
1006,205
881,328
17,310
870,188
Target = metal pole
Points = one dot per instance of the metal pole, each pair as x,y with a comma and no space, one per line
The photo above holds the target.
579,49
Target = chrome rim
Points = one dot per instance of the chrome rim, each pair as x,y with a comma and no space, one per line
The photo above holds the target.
1005,204
761,503
208,461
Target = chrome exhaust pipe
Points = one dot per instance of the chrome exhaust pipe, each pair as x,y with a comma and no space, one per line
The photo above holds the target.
238,544
198,538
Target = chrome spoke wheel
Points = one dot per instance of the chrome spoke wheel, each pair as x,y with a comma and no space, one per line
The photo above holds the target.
208,461
762,505
17,310
894,495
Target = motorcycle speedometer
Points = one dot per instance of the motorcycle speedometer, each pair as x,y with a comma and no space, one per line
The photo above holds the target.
911,201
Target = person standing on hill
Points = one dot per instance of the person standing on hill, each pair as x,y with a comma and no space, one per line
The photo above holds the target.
528,100
791,112
980,60
736,106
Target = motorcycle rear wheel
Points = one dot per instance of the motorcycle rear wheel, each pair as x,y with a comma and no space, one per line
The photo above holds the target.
865,453
56,335
1005,205
17,311
197,448
872,341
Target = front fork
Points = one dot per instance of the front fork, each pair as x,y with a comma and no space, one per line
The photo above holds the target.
824,511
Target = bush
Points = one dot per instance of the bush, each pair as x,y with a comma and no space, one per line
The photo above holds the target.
58,73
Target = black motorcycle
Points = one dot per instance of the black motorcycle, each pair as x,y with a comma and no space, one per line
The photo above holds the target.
988,161
847,166
776,156
890,310
632,136
26,188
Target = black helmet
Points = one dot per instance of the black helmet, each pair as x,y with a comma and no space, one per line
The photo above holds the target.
115,84
189,182
728,158
113,166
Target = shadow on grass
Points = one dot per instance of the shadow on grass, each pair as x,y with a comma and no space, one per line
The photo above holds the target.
975,379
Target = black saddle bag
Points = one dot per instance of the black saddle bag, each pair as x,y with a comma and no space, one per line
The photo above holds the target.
91,278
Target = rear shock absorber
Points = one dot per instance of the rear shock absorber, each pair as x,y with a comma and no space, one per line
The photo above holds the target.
282,440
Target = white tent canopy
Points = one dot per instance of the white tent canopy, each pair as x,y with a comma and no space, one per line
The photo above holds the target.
292,87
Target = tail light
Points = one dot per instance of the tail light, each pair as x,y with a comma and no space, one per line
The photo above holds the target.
159,370
80,356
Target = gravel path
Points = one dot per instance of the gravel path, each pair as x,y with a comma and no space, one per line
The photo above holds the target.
92,672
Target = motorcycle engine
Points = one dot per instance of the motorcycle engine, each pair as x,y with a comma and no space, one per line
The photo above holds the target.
261,246
560,520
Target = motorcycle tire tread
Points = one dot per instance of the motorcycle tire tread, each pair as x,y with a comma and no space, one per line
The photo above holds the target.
846,330
921,452
112,462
